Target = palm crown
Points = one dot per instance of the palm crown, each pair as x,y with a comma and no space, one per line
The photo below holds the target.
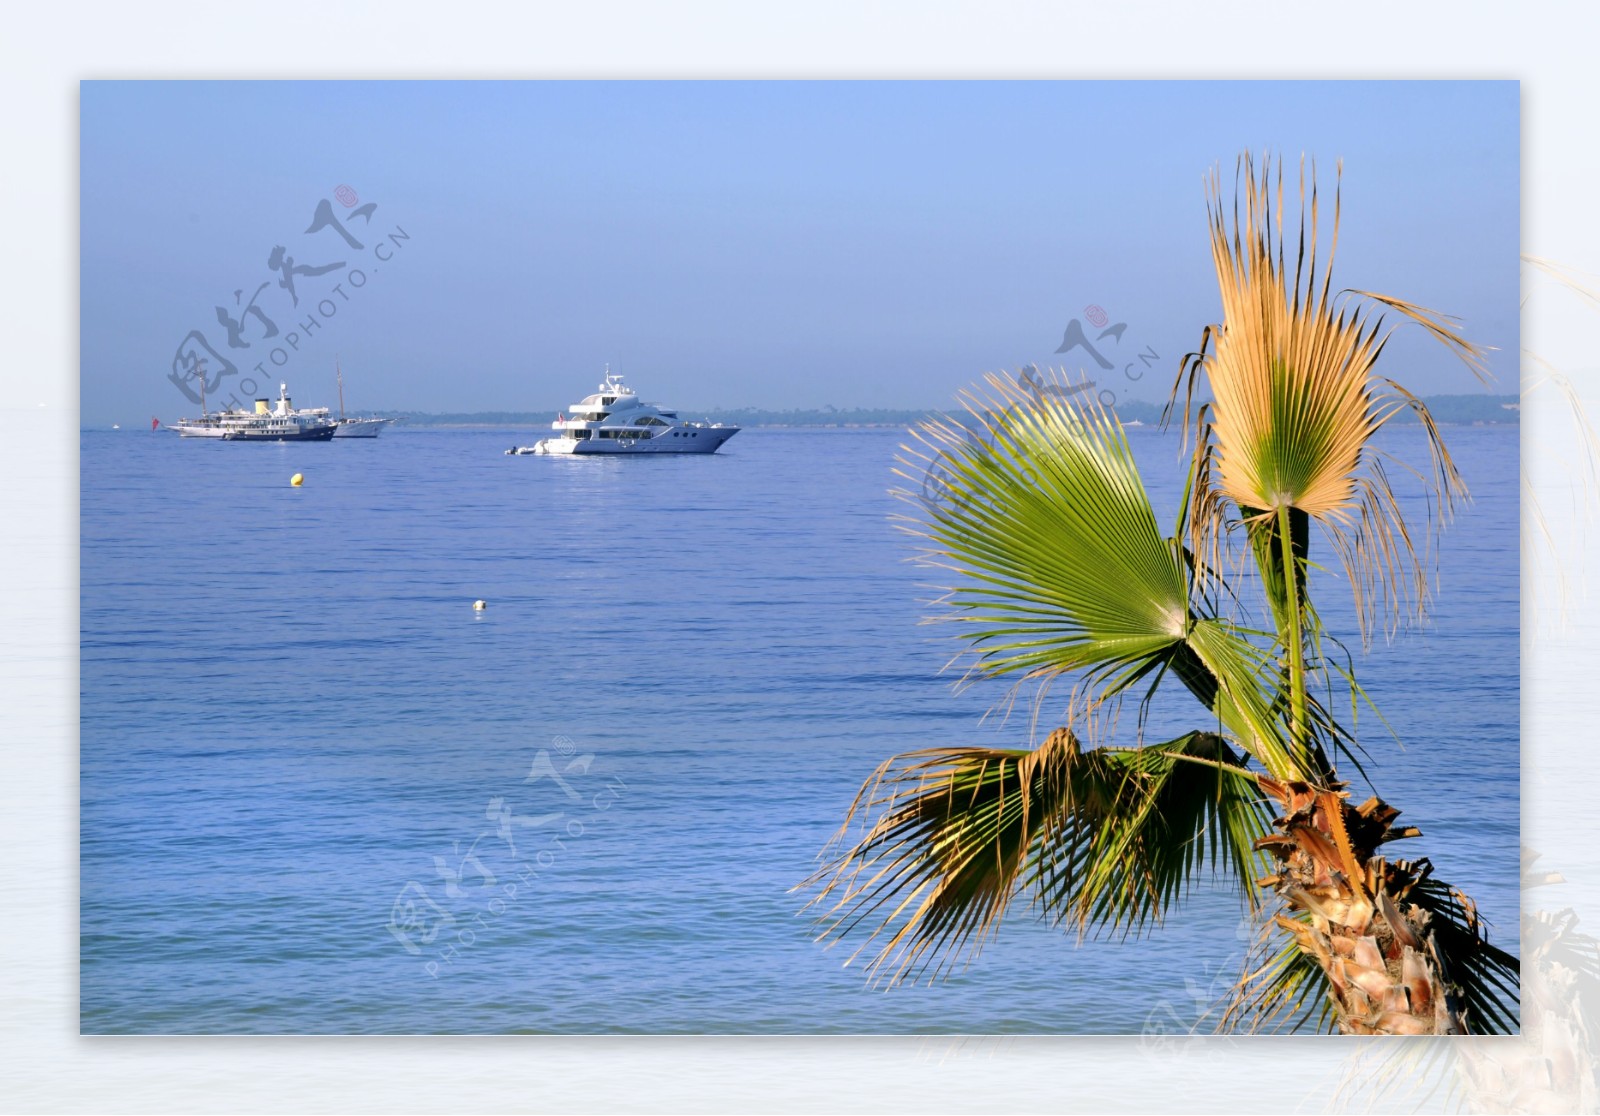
1062,570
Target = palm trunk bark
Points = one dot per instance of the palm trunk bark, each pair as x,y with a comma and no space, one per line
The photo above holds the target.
1386,973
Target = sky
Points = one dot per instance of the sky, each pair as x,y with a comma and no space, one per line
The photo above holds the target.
732,244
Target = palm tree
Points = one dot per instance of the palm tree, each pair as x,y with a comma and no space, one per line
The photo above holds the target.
1063,574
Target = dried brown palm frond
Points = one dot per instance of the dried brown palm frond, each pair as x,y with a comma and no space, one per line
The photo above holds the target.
1296,400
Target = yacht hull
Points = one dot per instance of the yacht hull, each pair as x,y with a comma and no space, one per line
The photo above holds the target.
703,440
360,428
614,422
316,434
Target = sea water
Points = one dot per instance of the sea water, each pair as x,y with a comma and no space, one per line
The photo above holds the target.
321,793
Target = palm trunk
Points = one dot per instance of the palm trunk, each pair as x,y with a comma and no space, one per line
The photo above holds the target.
1386,973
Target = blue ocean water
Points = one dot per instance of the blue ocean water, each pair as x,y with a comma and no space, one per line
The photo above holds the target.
320,793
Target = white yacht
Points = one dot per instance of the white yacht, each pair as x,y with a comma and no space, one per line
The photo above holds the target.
355,427
348,427
614,420
208,425
360,427
265,424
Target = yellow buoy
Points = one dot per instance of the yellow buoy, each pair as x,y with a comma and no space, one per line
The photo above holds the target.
478,606
297,480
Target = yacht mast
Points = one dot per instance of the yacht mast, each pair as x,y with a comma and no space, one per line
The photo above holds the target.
340,374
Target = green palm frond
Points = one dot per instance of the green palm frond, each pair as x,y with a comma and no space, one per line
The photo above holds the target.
1104,839
1296,402
1039,508
1040,505
1248,693
1181,807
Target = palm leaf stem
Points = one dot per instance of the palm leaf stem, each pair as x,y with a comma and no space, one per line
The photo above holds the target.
1298,716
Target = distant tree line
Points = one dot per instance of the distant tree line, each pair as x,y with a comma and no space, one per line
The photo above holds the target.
1454,409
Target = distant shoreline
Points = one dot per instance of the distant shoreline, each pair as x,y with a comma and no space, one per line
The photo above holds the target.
1449,410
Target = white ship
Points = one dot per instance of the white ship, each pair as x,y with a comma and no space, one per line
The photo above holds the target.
265,424
348,427
614,420
355,427
208,425
360,427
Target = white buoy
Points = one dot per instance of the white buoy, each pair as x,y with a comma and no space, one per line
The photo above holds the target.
478,606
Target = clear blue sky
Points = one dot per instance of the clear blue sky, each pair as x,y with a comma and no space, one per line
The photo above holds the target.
742,243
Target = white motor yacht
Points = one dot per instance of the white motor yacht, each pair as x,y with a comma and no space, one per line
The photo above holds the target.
615,421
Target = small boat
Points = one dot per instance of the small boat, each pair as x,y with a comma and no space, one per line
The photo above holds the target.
615,421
